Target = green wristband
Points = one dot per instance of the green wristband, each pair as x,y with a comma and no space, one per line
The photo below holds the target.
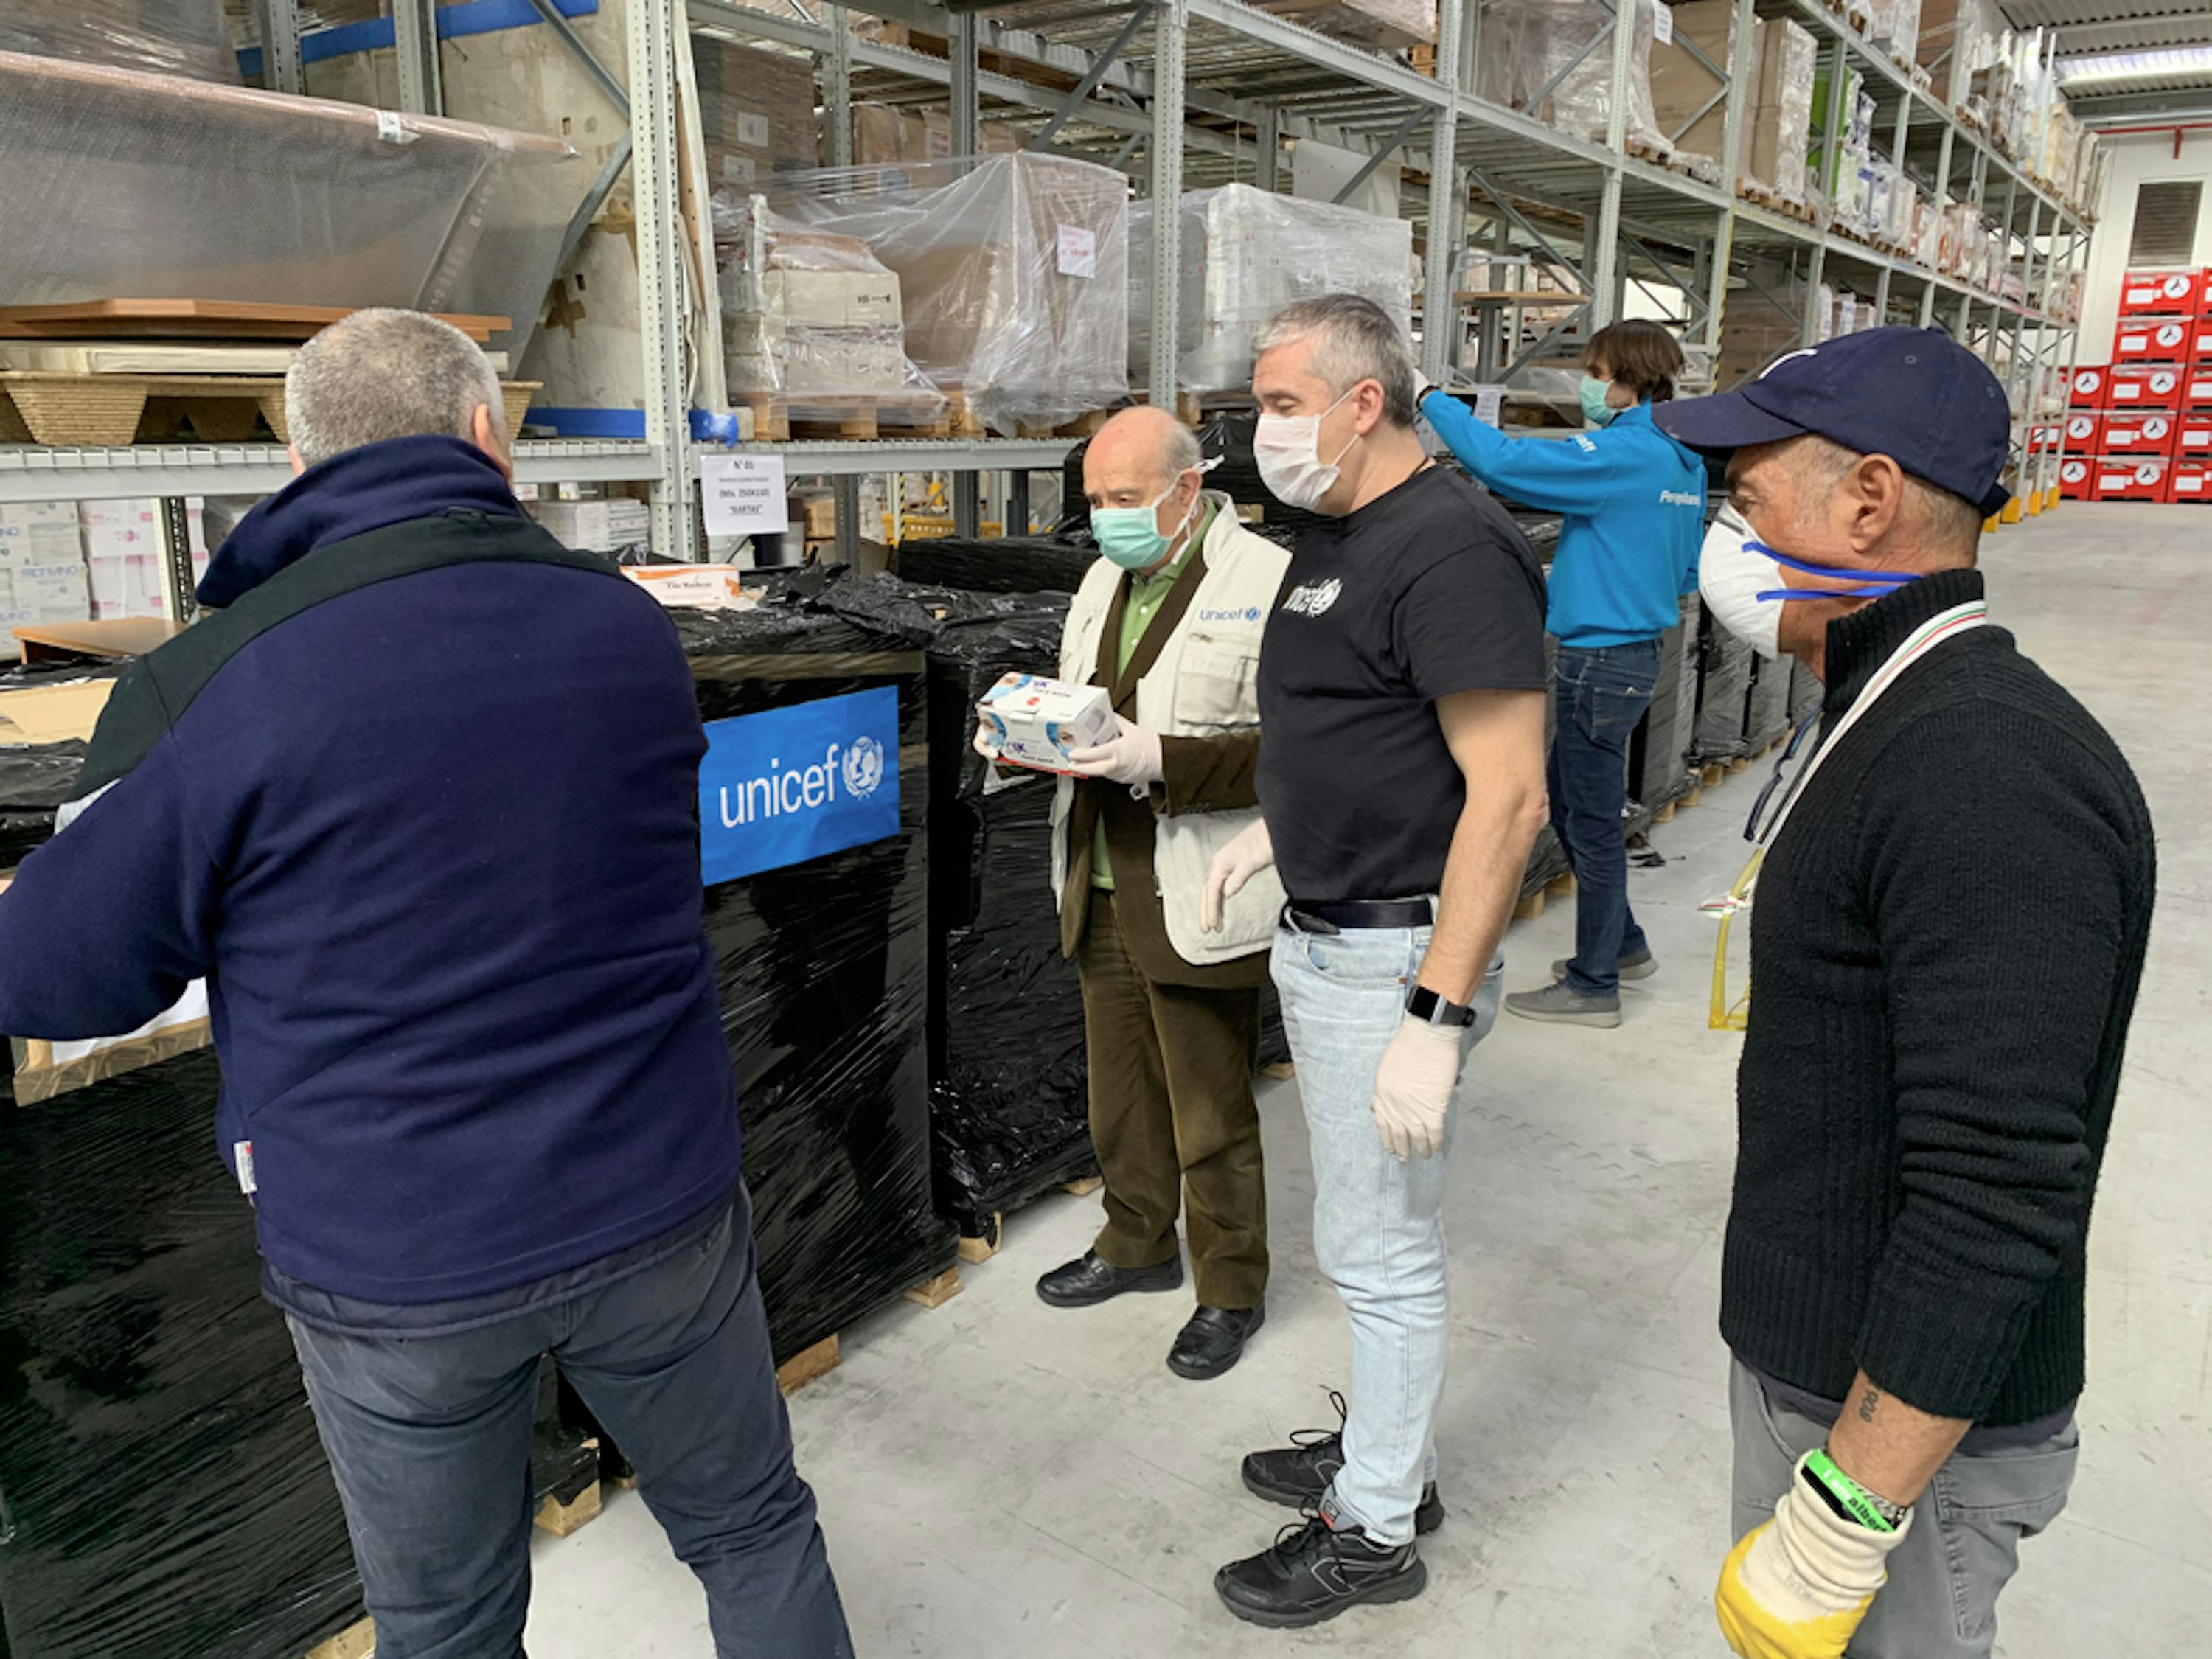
1853,1499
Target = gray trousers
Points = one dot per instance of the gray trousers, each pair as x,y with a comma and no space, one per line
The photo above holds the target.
429,1438
1940,1601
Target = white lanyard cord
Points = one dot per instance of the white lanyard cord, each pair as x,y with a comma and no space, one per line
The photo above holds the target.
1945,625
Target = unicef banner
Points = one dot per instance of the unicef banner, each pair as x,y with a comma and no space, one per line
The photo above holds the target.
793,784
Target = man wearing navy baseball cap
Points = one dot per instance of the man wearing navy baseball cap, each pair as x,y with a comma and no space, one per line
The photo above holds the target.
1953,874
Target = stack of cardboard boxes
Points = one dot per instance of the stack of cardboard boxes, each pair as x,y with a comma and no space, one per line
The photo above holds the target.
2141,427
756,107
1684,88
97,560
884,136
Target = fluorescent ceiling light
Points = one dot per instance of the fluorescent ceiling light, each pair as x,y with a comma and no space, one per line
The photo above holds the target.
2135,65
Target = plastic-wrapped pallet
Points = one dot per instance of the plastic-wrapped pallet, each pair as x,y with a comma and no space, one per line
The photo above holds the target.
1013,564
1958,37
1660,767
1246,254
824,966
884,136
812,317
1545,57
1689,93
1723,685
189,38
1007,1121
1767,709
1012,271
376,208
1788,59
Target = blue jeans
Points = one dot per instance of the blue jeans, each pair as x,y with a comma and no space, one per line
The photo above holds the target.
1378,1224
1601,695
429,1438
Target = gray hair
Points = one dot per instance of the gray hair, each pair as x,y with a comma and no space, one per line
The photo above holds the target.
1354,340
1947,523
384,373
1182,452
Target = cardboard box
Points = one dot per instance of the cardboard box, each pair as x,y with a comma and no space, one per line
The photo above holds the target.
595,527
2152,340
38,533
1682,86
834,298
2130,435
756,109
2091,387
2190,481
2077,478
1041,721
2148,385
884,136
2140,478
2085,432
2168,293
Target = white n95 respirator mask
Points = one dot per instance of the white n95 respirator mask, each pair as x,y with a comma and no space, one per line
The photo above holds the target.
1286,448
1739,580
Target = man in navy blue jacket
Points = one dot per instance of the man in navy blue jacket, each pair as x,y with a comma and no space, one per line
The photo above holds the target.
419,805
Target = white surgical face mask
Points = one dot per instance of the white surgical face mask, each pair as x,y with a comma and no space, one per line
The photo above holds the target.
1286,448
1739,580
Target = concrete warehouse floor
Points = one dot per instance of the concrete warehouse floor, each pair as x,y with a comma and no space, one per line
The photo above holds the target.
998,1478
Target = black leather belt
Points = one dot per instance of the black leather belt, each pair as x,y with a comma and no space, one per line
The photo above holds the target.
1348,914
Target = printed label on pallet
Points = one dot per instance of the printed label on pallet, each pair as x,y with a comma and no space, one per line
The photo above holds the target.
793,784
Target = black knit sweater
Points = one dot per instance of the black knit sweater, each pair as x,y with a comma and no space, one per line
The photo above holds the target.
1946,944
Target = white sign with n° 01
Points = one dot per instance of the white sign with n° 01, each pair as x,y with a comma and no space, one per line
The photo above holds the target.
742,495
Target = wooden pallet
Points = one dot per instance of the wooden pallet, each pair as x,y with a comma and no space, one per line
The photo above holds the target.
356,1641
858,418
809,1365
561,1519
936,1292
226,320
97,411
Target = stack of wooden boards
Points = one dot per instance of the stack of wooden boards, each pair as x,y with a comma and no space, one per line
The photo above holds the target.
108,371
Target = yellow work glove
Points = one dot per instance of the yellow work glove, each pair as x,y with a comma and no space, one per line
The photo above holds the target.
1797,1587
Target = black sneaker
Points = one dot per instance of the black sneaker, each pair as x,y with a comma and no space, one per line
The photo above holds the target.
1313,1571
1298,1475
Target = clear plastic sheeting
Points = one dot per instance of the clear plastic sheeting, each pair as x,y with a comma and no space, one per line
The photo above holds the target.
1013,273
1246,254
1554,58
163,37
1385,25
257,197
810,316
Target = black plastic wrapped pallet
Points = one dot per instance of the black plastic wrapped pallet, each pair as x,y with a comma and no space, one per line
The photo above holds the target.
1009,1121
1806,692
1723,685
1006,564
1659,768
165,1489
825,973
1766,708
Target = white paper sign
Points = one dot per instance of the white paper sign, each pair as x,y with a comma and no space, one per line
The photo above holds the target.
752,131
742,495
1489,403
1078,250
1662,22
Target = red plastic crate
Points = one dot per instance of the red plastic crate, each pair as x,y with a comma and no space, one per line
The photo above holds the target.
2152,340
2147,385
2198,346
2196,387
2127,436
2077,478
2091,386
2085,432
2044,438
2192,433
2132,478
2190,481
2161,293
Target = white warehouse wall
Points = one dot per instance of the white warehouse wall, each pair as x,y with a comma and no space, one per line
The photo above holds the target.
2134,158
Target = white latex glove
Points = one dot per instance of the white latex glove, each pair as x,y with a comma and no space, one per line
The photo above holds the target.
1797,1587
1245,857
1413,1087
1131,756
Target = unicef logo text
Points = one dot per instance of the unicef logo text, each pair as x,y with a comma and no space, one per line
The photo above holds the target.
784,790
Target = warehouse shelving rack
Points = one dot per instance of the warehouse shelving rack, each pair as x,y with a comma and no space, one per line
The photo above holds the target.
1184,93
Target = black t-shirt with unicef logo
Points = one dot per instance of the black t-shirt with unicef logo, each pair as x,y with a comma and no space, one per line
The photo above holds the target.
1426,591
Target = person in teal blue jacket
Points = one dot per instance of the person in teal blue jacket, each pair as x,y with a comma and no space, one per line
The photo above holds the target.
1633,500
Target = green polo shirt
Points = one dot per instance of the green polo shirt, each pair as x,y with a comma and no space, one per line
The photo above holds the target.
1146,594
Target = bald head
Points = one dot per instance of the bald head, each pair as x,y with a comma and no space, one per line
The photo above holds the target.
384,373
1140,457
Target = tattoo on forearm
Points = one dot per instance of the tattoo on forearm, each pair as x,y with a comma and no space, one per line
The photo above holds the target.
1868,1402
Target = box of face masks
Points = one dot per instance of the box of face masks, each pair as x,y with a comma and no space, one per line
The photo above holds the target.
1040,722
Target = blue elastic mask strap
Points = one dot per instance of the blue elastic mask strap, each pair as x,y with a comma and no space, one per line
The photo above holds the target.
1871,584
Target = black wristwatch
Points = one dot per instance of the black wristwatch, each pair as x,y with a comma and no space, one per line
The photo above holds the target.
1431,1008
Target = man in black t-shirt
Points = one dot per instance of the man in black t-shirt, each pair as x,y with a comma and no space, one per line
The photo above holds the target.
1401,783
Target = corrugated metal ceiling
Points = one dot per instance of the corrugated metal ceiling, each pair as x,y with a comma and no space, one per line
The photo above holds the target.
2089,27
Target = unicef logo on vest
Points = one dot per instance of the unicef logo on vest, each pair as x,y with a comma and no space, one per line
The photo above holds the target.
1249,613
864,766
793,784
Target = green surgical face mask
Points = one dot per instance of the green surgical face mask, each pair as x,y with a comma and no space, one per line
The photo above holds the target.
1130,536
1596,410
